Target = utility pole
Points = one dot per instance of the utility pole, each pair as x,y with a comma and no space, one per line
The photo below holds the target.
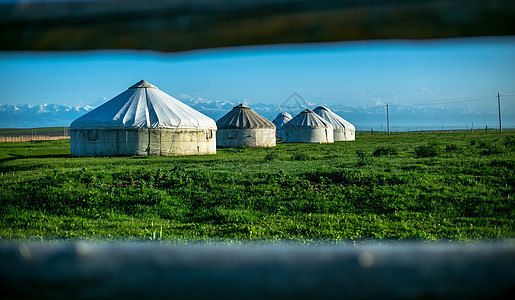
499,107
387,119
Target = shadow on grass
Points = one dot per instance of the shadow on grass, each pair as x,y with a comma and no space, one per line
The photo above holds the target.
17,156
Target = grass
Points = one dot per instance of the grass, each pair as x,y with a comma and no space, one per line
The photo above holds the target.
378,187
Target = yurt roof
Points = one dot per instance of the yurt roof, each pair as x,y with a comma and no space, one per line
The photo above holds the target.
333,118
242,116
281,119
308,118
284,115
143,105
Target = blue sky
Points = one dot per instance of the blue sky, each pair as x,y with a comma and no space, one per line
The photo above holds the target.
398,72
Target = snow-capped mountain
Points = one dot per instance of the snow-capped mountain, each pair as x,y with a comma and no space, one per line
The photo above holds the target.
364,117
41,115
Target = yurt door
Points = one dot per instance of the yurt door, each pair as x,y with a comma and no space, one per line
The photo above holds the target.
154,142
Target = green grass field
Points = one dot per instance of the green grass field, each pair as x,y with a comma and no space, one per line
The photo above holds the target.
429,186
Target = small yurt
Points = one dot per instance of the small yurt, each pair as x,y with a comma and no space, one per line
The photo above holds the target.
343,130
244,127
279,122
308,127
143,120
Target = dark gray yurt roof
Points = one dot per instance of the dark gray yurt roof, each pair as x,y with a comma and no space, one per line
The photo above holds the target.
242,116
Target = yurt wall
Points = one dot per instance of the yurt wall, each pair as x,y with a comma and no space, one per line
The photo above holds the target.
251,137
318,135
119,142
344,135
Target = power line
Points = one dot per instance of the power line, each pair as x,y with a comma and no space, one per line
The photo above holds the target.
463,99
455,100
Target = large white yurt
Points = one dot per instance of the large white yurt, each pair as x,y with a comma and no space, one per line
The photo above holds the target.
279,122
343,129
308,127
143,120
244,127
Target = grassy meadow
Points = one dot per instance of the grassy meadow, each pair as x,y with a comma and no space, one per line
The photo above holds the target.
417,185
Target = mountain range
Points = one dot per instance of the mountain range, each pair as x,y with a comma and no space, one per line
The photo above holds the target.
364,117
42,115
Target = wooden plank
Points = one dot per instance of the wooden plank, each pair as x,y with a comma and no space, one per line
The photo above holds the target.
149,271
173,25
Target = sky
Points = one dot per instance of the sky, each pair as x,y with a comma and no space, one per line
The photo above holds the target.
398,72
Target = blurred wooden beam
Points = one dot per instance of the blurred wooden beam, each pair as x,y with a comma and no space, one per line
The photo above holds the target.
174,25
152,271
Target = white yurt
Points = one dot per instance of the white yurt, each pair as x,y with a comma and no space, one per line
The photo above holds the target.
308,127
279,122
244,127
143,120
343,129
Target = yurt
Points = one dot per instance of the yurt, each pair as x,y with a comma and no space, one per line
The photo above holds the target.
244,127
343,130
143,120
279,122
308,127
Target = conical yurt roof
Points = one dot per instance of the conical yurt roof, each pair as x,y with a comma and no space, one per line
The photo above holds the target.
242,116
308,118
143,105
281,119
334,119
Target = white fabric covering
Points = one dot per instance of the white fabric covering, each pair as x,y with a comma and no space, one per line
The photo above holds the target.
281,119
307,127
343,129
143,106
